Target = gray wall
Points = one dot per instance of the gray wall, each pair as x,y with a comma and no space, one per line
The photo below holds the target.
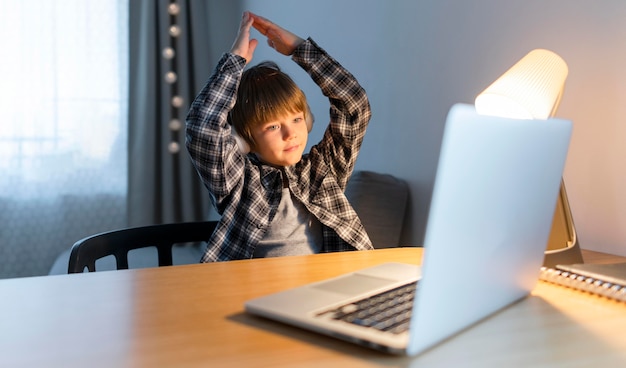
418,58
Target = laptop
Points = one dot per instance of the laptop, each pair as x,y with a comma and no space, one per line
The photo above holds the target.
489,220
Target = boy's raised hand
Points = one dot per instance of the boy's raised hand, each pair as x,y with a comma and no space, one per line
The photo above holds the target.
278,38
243,45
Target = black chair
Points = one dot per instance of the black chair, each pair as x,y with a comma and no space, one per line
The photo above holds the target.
118,243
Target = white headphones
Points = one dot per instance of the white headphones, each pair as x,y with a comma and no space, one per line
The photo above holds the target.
244,147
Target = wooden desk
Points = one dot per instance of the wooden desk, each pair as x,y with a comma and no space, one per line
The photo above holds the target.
193,316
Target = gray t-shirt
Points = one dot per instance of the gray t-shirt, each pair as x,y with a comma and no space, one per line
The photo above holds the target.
293,231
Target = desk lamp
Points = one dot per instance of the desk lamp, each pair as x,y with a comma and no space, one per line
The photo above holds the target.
532,89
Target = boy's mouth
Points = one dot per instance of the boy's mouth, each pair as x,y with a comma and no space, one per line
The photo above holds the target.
292,148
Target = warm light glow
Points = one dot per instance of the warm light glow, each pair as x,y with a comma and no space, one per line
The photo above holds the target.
530,89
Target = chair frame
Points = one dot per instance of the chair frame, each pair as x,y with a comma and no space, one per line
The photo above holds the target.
118,243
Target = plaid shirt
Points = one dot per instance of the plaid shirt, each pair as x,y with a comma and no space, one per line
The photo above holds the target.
247,192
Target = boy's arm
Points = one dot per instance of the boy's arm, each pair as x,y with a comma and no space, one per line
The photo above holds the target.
349,108
213,150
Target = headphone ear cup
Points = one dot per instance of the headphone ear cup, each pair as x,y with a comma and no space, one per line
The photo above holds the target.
310,119
309,123
244,147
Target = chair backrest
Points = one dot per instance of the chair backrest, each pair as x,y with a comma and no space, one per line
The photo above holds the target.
381,201
118,243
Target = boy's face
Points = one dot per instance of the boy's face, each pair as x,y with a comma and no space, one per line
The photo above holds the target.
281,142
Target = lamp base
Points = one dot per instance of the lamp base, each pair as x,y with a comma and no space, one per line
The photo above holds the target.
570,255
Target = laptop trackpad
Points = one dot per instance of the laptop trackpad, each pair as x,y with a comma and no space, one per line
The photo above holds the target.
354,284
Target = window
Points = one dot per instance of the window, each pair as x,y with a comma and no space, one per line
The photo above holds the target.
63,123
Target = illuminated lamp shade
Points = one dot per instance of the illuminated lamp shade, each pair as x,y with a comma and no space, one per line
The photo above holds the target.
532,89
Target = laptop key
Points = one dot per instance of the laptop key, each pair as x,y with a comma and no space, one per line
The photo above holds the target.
387,311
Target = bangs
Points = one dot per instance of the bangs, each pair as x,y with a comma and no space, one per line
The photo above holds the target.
274,100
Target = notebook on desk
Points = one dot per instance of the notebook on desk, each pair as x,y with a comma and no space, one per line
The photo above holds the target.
489,220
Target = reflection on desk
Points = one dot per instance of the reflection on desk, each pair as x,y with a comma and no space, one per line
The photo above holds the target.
193,316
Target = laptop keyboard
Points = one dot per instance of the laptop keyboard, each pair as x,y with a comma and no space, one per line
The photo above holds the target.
388,311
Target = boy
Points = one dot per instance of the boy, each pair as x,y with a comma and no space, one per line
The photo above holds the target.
274,200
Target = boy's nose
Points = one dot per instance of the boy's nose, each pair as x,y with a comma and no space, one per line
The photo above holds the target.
289,132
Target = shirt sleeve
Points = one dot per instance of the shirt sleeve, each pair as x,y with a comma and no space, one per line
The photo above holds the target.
213,150
350,110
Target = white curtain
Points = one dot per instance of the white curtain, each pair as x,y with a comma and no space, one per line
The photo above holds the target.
63,127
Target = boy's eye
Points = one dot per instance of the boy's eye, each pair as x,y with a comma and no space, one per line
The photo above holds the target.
298,119
272,127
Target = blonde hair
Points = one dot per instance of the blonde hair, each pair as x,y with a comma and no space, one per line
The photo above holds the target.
265,94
